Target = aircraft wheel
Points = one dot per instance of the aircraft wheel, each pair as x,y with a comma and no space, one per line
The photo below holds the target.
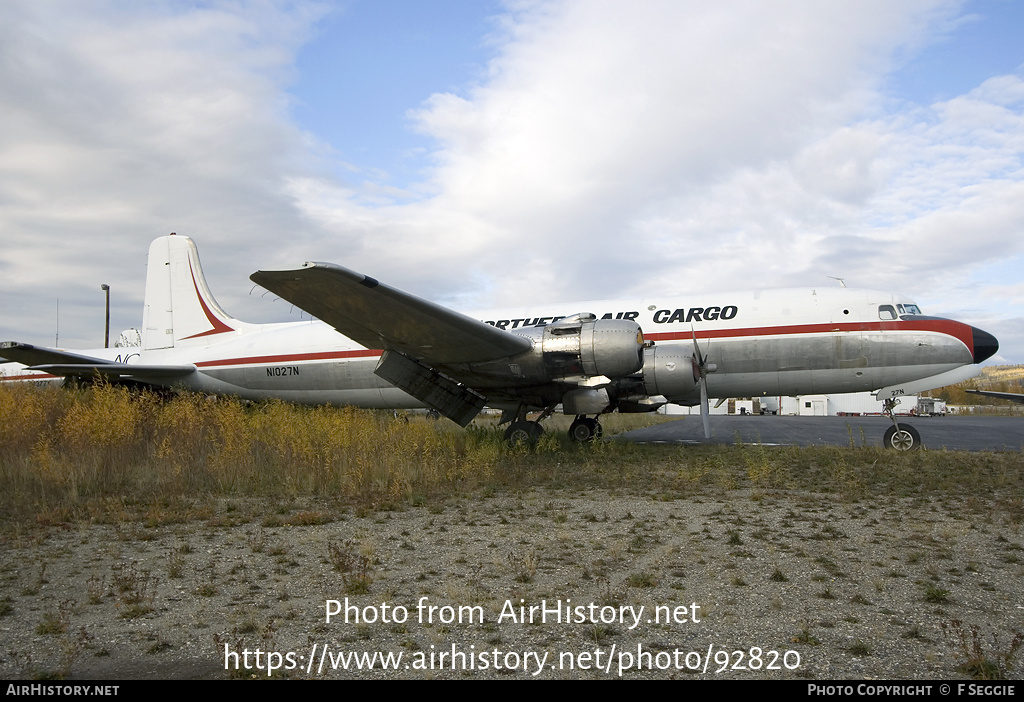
523,433
906,439
584,429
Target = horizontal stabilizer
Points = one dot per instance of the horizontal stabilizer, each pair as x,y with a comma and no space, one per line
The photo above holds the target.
381,317
114,370
58,362
30,355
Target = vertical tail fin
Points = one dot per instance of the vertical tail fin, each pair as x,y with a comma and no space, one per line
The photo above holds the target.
179,308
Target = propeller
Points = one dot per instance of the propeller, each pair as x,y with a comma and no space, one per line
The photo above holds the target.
700,373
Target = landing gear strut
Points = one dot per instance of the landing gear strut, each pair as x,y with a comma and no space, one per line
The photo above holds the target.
522,432
900,437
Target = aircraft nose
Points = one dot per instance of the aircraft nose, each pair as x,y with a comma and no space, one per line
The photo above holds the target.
985,345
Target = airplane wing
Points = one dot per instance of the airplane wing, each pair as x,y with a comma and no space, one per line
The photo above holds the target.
378,316
58,362
1011,396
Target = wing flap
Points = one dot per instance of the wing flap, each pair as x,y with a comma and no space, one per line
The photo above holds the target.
378,316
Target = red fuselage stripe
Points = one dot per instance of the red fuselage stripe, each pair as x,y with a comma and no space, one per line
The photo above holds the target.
290,358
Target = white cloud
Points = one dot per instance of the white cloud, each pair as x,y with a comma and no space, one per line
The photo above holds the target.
609,149
122,122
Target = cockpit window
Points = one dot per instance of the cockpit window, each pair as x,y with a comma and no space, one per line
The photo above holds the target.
886,312
908,309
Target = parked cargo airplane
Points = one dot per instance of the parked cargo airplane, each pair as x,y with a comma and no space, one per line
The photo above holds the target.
379,347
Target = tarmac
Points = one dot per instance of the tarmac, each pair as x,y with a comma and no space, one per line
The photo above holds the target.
950,432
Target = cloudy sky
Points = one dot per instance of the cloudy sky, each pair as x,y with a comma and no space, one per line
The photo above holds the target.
480,153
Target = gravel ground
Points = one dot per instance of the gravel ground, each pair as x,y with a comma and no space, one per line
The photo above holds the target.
891,589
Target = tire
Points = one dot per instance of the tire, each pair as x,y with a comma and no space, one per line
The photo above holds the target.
583,430
523,433
906,439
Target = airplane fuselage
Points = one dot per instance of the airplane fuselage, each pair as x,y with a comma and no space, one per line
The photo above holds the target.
778,342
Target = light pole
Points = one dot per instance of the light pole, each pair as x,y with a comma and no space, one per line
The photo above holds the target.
106,329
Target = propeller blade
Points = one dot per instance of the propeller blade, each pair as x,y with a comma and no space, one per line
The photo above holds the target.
702,367
696,348
705,411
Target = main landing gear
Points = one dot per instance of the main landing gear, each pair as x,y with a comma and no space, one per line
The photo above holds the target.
584,429
524,432
521,431
901,437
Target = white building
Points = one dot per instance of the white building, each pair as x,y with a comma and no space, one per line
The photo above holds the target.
808,405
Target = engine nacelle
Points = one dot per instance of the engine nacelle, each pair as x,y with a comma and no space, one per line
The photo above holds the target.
573,348
670,370
584,345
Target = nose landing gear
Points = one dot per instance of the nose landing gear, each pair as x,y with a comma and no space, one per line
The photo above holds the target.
900,437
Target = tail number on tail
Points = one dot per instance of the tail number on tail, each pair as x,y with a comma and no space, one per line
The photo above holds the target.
277,371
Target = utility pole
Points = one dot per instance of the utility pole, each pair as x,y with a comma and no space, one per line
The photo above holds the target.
106,329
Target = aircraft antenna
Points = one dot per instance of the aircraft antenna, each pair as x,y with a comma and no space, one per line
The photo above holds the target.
841,281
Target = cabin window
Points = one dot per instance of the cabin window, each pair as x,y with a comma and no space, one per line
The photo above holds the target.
886,312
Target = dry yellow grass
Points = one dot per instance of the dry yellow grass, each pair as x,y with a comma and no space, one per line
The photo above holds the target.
107,453
65,447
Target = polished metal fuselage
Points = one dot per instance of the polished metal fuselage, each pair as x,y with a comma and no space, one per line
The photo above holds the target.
789,342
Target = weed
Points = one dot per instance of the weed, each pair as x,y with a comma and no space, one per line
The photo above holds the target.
356,568
935,594
859,648
642,579
914,632
524,566
805,636
54,622
175,565
96,588
979,661
135,590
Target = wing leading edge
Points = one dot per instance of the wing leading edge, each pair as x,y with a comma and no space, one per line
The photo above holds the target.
378,316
